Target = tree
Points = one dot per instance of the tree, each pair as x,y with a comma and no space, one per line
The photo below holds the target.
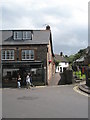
56,62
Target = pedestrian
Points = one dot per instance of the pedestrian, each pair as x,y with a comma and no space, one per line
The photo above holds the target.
19,81
31,80
28,83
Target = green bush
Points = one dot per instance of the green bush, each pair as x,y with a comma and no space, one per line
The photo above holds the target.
79,75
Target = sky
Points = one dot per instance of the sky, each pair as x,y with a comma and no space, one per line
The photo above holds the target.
68,20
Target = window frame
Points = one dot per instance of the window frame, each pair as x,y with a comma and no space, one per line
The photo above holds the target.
15,35
30,56
10,55
24,35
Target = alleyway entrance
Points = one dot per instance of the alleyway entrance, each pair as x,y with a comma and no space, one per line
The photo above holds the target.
55,79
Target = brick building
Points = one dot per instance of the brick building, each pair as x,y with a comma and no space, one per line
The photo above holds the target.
24,51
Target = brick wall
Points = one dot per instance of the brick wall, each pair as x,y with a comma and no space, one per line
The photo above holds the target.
40,51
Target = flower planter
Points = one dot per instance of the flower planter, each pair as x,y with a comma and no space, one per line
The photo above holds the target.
49,61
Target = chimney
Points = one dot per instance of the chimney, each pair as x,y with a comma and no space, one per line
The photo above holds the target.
47,27
61,53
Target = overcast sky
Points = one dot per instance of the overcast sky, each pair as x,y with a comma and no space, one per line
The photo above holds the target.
68,20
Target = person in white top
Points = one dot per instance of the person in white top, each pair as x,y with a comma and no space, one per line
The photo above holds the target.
19,81
28,81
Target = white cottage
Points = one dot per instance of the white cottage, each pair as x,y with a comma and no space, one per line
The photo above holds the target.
63,63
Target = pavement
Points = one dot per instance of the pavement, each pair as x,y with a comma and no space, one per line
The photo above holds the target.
84,88
80,83
81,88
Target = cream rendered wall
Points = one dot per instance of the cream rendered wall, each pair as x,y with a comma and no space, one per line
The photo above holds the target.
62,65
49,65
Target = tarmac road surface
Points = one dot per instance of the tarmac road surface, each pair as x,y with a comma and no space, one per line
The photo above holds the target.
46,102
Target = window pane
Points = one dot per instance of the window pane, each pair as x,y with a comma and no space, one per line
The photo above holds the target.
27,54
24,35
3,54
15,35
18,35
23,54
8,54
12,54
27,35
32,54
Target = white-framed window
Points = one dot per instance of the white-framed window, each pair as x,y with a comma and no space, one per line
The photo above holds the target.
7,54
17,35
22,35
27,54
27,35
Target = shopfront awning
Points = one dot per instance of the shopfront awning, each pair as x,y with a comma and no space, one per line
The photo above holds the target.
21,64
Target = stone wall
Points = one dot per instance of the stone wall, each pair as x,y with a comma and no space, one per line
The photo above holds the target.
50,64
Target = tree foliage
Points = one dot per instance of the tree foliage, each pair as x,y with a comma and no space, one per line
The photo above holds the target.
56,62
76,56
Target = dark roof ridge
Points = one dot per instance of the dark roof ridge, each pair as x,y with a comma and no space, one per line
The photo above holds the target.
24,30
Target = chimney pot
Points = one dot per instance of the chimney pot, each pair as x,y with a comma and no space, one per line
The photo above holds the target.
47,27
61,53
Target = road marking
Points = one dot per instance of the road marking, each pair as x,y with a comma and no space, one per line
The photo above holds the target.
80,92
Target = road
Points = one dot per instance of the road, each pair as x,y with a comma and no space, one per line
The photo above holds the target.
47,102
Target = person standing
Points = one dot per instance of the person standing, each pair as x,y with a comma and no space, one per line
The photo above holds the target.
28,83
31,80
19,81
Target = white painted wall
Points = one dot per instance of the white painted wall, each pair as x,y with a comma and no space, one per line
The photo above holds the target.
61,66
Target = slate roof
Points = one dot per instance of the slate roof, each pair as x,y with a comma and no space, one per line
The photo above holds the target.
39,37
60,58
